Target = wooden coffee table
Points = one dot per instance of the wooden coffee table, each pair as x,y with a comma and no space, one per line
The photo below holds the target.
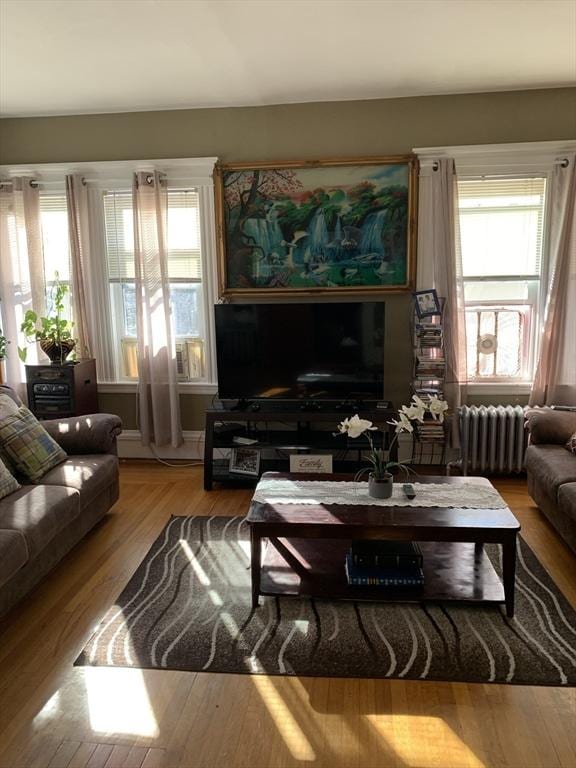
307,545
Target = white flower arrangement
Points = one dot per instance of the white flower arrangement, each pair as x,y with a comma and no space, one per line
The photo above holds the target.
415,412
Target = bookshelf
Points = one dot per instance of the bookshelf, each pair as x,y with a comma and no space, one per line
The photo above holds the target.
429,375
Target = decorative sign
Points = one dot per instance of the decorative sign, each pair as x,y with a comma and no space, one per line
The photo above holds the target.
311,463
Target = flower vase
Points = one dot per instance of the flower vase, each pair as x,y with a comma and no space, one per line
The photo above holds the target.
380,488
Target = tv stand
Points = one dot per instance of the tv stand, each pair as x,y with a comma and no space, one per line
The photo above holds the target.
280,428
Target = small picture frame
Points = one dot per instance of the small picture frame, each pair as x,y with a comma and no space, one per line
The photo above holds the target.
245,461
427,303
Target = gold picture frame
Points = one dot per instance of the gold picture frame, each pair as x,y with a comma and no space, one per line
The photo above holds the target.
309,227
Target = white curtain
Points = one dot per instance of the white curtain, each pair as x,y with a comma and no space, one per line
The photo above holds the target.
440,267
555,378
159,405
79,237
22,284
92,328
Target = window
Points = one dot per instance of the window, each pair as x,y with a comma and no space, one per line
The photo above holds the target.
501,237
55,246
184,270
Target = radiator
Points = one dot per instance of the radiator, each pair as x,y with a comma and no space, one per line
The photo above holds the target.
492,438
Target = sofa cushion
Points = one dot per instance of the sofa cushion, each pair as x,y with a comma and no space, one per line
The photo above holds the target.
550,426
39,513
13,554
27,445
90,475
550,466
567,501
8,484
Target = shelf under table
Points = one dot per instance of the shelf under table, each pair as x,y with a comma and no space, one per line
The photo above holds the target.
315,568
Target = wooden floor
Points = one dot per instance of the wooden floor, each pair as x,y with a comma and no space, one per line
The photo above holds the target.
53,714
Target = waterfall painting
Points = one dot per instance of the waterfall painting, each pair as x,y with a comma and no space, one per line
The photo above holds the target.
329,226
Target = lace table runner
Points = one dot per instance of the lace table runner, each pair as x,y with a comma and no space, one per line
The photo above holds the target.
468,495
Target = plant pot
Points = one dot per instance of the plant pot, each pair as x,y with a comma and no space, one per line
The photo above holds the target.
2,371
380,488
57,352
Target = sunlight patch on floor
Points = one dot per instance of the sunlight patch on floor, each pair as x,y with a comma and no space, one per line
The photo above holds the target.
49,710
196,567
288,728
118,702
421,741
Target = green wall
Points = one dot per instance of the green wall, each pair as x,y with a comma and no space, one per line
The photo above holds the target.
294,131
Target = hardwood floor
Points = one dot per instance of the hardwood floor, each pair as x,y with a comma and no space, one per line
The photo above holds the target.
59,716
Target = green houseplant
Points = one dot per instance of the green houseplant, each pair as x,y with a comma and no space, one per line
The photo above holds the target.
380,479
54,333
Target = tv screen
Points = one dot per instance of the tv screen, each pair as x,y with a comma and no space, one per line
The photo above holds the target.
300,351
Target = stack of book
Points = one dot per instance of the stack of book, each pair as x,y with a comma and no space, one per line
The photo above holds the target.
429,334
426,392
430,431
428,367
385,564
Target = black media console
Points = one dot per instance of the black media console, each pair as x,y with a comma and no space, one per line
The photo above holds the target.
281,429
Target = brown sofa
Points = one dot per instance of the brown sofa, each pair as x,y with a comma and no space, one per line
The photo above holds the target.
552,469
39,524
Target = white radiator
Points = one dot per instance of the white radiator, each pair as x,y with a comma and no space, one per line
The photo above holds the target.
492,438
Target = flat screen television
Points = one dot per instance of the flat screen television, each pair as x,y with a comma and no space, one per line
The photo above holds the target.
306,351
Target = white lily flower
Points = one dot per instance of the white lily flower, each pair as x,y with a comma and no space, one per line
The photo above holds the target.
414,411
355,426
438,408
403,424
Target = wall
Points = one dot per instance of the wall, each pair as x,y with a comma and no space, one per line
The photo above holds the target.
294,131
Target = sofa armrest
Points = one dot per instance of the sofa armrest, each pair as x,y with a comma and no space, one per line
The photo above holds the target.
95,433
549,426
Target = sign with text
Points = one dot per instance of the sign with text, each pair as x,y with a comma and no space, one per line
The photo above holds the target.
311,463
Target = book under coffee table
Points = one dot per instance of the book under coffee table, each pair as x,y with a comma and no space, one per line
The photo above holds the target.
307,544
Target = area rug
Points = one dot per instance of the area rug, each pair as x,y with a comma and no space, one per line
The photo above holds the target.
188,607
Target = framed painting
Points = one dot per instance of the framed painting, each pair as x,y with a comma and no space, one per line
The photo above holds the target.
329,226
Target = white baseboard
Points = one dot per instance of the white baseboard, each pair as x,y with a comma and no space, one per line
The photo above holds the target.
130,447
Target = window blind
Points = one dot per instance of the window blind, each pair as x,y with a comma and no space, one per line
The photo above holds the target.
55,240
182,234
501,225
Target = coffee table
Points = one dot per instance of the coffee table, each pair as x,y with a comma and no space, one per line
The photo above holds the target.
307,544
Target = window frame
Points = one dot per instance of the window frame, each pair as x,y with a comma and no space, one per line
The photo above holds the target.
116,175
536,302
514,159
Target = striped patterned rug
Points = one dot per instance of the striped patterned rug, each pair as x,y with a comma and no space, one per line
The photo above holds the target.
188,607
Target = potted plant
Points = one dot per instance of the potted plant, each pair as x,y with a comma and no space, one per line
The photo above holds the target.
55,332
3,352
380,479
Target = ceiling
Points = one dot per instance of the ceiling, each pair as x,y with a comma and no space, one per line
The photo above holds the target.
82,56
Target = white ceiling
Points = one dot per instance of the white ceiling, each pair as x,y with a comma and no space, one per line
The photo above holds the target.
76,56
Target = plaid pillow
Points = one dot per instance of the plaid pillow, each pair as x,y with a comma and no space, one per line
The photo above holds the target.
27,445
8,484
7,406
571,444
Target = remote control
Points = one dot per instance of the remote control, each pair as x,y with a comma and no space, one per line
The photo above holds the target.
409,491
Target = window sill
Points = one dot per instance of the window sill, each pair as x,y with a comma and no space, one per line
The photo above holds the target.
184,387
498,388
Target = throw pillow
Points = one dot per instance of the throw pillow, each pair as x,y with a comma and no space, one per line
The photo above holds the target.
8,484
27,445
571,444
7,406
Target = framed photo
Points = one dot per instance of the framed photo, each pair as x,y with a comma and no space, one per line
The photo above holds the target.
427,303
245,461
330,226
